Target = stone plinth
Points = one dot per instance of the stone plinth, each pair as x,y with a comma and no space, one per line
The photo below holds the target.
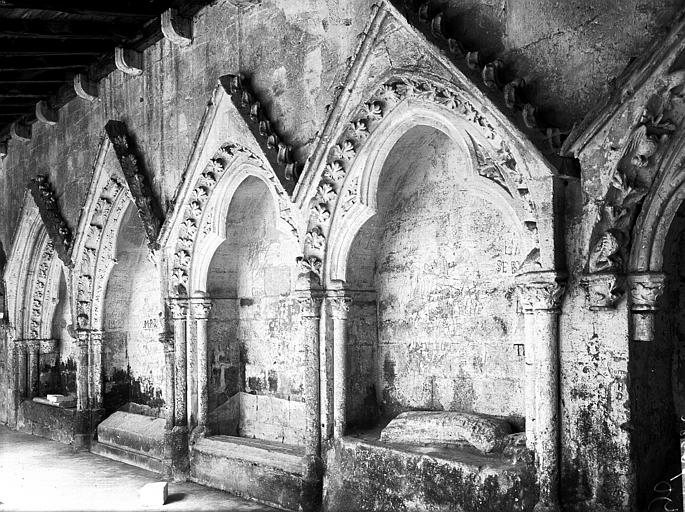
449,428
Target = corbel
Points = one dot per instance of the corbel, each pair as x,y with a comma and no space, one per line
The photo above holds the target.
177,29
128,61
84,88
45,114
131,165
20,131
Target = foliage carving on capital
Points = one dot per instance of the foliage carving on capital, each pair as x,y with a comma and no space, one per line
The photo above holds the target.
309,305
178,308
200,308
540,291
604,290
59,232
338,306
645,289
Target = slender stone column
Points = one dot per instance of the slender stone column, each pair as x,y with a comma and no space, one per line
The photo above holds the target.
179,310
33,372
167,340
22,370
95,366
82,370
530,372
338,307
15,369
645,290
541,297
310,315
200,309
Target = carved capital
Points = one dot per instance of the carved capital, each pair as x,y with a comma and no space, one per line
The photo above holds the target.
309,304
645,289
338,306
167,341
178,308
33,345
540,291
200,308
96,337
604,290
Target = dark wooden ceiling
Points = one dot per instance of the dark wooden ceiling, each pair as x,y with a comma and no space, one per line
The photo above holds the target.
44,43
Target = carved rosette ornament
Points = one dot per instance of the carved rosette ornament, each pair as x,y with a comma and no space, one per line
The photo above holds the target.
540,291
604,290
645,290
334,192
196,218
39,287
57,228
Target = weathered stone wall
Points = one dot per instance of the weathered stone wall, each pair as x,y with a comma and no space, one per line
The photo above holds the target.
253,342
569,53
132,354
444,259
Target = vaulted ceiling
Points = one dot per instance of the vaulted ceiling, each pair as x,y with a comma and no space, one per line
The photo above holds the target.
44,44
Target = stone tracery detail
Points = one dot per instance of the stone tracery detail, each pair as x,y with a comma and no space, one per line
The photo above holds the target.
332,191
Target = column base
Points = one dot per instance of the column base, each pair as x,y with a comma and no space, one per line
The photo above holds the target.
311,492
176,453
199,432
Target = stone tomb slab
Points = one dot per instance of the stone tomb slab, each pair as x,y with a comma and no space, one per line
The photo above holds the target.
486,434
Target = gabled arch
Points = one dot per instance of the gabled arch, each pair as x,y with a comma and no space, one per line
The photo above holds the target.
214,165
95,245
394,105
32,276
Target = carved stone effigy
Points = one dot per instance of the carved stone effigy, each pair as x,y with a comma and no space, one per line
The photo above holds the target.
279,152
131,165
57,228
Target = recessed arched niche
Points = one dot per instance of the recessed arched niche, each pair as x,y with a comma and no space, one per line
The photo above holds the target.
657,381
131,352
255,357
433,324
59,354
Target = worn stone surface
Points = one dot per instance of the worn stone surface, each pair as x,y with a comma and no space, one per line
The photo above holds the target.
450,428
134,432
419,203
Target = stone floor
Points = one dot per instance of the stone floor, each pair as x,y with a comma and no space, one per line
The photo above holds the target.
41,475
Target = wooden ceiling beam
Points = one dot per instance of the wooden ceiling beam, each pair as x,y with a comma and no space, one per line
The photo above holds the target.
82,8
66,30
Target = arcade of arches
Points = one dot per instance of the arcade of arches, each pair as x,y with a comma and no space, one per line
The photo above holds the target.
421,297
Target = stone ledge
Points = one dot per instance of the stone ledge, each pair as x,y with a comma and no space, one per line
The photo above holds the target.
264,471
129,457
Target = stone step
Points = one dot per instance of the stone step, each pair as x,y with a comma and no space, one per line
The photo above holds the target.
265,471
